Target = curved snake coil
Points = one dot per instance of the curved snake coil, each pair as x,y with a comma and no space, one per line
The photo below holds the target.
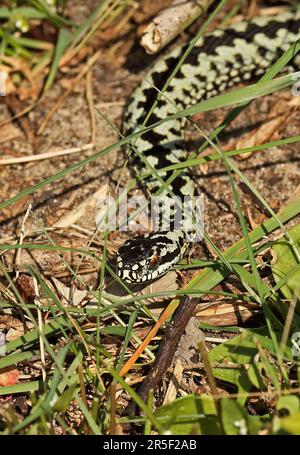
219,60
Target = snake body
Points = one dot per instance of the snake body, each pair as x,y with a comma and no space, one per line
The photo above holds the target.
218,61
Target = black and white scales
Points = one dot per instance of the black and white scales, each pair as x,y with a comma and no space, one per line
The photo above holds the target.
219,60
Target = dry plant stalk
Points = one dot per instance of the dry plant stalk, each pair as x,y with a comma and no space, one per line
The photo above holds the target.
170,22
44,156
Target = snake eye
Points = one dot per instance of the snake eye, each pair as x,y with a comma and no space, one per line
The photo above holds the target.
154,260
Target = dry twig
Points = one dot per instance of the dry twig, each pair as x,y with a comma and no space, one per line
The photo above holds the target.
170,22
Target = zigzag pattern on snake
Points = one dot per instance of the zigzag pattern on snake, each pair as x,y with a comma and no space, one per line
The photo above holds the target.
220,60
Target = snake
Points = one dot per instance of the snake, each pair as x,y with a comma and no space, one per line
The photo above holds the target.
237,54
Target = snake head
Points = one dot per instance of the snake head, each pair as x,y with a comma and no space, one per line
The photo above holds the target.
145,258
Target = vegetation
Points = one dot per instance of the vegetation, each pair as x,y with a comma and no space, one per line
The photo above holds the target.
78,385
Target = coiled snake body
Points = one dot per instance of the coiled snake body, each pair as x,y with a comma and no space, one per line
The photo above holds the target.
218,61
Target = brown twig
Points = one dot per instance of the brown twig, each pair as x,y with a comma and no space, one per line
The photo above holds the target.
20,113
170,22
15,106
166,350
113,406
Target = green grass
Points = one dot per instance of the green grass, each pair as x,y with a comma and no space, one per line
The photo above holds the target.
255,361
18,20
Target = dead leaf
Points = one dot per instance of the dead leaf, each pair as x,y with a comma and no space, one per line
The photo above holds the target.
224,314
82,210
269,129
174,383
69,296
25,284
165,283
9,376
